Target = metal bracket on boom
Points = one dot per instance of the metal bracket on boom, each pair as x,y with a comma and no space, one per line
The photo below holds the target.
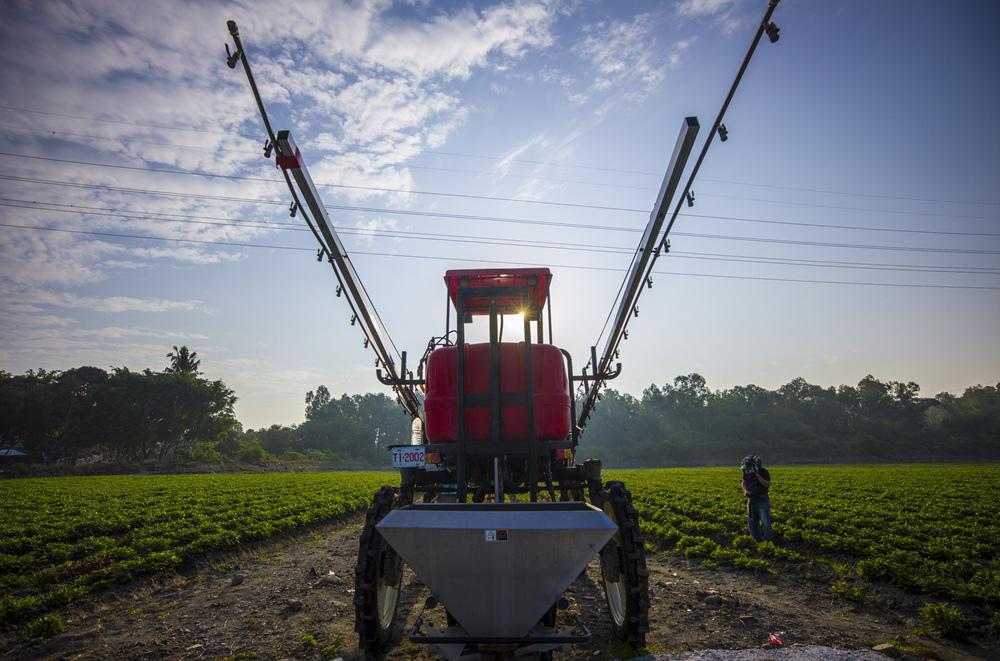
403,379
603,376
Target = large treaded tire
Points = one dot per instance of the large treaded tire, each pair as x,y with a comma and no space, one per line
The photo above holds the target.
377,580
623,568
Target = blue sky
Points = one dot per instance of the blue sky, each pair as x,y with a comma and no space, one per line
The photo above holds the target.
849,226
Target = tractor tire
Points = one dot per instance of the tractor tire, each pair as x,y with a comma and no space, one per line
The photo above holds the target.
623,568
377,580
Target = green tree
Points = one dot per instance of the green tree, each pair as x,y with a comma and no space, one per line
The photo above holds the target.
358,426
973,420
183,361
155,413
191,411
276,439
53,414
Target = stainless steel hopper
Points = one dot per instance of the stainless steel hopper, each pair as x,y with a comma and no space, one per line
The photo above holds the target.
497,568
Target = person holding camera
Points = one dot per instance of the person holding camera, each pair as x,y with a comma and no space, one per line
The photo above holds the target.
756,482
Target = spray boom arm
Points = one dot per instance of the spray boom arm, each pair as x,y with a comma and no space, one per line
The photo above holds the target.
652,243
293,168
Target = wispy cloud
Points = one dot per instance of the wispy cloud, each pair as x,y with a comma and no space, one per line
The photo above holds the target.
704,7
110,303
451,45
722,12
624,56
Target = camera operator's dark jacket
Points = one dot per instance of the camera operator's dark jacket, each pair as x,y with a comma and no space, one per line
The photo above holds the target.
756,490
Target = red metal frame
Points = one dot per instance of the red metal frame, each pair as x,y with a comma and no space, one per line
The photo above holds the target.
538,291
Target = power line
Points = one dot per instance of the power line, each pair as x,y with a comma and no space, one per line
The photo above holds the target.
460,216
507,219
108,211
501,241
858,228
506,262
117,121
871,195
501,159
130,141
820,244
141,191
156,238
476,197
843,208
859,266
491,198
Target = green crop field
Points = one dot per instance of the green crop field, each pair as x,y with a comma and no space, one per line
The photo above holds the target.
930,529
67,537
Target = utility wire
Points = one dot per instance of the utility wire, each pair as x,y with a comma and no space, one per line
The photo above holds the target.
507,219
506,241
347,145
505,262
468,196
117,121
380,189
130,141
820,244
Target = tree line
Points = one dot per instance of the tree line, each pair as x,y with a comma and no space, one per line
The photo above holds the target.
123,416
353,428
86,413
684,423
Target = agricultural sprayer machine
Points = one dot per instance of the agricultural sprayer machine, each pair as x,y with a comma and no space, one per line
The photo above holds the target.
493,512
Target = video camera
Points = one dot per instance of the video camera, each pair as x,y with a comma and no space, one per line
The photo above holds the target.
750,464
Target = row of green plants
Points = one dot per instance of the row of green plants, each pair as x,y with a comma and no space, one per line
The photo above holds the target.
929,529
62,539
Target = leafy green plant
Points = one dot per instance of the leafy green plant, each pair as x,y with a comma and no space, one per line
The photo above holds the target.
752,564
47,627
769,550
844,591
331,650
943,621
243,656
618,649
309,641
721,557
696,547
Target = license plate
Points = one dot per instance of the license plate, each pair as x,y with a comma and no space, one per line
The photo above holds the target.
403,457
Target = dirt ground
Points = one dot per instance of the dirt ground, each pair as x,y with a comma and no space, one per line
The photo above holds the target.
291,598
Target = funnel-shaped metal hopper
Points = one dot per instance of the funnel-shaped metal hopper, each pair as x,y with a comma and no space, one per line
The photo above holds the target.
497,568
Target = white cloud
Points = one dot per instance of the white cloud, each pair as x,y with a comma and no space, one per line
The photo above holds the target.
724,12
110,303
367,230
623,56
704,7
452,45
